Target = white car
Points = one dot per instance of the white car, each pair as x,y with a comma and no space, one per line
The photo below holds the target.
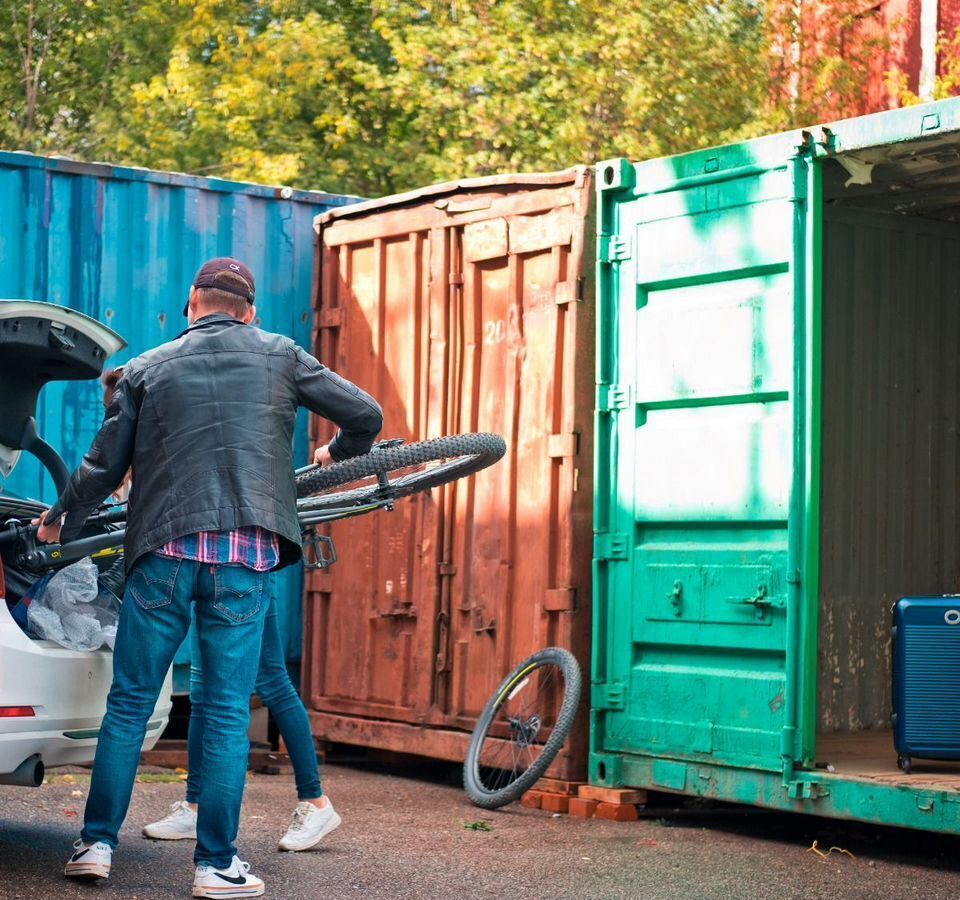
52,700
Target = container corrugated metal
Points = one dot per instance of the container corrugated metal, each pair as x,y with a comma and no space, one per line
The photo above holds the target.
882,338
778,430
122,245
462,307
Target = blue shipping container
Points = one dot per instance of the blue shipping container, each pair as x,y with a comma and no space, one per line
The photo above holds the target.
122,245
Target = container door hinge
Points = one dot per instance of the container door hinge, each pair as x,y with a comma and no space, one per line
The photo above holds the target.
806,790
332,317
561,445
610,545
560,600
613,248
794,577
611,397
607,696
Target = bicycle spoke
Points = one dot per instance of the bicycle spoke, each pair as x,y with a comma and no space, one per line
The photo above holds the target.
522,728
520,718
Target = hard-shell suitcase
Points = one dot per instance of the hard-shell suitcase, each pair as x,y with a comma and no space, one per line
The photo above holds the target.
926,679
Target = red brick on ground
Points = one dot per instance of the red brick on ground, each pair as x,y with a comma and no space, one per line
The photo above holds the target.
583,809
532,799
556,786
617,812
555,803
612,795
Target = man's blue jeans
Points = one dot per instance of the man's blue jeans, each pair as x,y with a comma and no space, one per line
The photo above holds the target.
279,695
230,606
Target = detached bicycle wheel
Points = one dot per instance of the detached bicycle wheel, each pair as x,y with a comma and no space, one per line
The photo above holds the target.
522,728
393,470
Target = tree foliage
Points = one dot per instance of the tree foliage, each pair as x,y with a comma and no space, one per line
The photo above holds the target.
376,96
372,99
63,62
822,58
488,87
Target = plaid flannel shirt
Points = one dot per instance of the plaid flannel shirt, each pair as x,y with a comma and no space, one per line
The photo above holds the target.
253,547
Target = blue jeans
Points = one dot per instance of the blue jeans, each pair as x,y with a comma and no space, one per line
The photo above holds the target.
276,690
230,606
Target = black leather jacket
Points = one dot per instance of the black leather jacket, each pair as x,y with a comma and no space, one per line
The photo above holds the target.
206,421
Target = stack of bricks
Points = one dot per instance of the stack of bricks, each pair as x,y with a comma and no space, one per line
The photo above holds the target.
585,801
551,795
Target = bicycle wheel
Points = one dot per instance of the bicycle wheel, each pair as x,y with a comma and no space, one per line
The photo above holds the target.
397,471
512,745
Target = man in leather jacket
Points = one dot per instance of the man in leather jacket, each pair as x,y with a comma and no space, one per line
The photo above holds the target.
206,422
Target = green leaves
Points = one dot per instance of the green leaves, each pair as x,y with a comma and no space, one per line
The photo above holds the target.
372,98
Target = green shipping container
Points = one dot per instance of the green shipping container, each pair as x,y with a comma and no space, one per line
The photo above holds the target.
778,458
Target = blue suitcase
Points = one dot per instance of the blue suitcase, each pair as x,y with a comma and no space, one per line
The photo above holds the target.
926,679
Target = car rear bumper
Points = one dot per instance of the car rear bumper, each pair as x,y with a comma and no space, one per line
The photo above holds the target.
67,690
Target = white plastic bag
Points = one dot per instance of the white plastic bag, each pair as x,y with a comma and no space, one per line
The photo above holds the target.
73,611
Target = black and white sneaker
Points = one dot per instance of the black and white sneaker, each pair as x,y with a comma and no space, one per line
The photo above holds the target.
233,882
89,861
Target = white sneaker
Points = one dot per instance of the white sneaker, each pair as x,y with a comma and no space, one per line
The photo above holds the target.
89,861
310,825
179,825
233,882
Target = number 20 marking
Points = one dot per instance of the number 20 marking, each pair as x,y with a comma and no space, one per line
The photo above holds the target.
494,331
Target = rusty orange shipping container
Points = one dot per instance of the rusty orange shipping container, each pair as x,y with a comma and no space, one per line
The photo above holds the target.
465,306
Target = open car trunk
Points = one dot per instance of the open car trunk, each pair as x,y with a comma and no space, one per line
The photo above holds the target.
39,343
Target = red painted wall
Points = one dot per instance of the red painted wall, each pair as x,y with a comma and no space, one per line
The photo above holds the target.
876,37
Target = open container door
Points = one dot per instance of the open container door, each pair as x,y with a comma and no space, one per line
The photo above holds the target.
707,280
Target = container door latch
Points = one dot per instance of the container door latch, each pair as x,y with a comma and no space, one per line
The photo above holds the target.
676,598
760,601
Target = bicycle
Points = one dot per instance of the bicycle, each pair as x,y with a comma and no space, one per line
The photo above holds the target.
391,471
522,728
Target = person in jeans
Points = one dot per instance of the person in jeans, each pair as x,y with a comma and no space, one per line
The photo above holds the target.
206,421
314,817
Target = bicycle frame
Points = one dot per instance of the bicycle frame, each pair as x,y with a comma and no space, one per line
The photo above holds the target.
37,557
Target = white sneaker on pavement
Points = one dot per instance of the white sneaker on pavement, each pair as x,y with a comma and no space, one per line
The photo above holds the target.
233,882
89,861
179,825
310,825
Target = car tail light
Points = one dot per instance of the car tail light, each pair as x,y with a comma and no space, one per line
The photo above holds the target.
16,712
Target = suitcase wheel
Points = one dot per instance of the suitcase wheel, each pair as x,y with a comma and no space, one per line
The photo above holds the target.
904,763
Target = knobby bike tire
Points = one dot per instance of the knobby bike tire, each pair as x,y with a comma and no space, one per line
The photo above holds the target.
479,793
465,455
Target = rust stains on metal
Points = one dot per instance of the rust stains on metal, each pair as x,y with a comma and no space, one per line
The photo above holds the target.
462,307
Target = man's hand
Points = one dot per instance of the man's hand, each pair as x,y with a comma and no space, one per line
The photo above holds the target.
48,534
322,456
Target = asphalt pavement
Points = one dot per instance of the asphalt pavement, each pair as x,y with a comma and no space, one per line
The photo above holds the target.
412,834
